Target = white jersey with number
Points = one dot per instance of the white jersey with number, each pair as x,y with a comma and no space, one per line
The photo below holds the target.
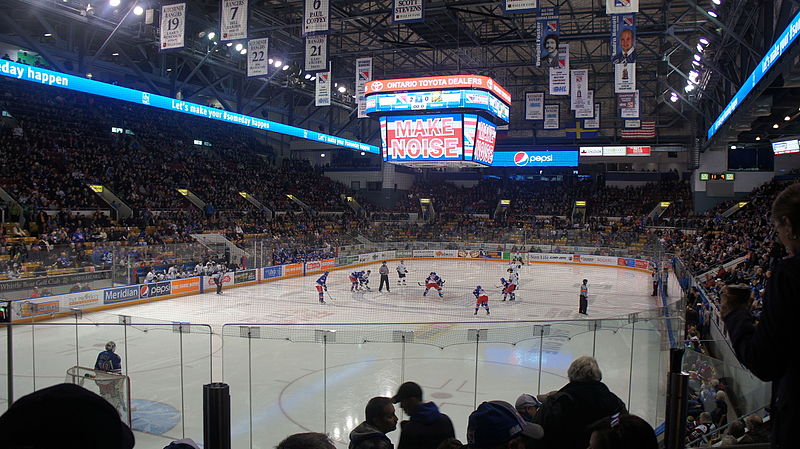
514,278
401,269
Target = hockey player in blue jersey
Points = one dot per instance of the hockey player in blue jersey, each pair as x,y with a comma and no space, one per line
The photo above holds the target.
433,281
481,299
322,286
108,361
508,288
354,280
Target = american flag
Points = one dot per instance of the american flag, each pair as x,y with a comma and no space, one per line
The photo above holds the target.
647,131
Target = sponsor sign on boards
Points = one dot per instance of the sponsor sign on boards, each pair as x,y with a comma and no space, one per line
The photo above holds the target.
188,285
31,308
243,276
272,272
156,289
293,269
121,294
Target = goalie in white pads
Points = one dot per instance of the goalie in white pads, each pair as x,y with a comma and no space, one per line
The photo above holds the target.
433,281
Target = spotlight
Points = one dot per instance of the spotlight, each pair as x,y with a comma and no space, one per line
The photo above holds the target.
322,155
704,41
787,118
89,75
115,54
229,44
308,76
758,137
674,97
138,10
713,14
697,57
313,78
212,35
285,67
243,51
278,63
716,2
733,147
113,3
696,63
363,153
48,34
270,61
342,89
776,126
699,47
238,47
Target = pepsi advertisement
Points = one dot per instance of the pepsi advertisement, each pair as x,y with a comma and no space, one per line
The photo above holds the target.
565,158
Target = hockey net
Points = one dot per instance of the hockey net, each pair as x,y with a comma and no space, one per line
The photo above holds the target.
114,388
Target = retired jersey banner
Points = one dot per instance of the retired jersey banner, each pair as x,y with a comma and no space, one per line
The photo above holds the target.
408,11
173,26
257,57
559,76
633,110
579,88
551,112
534,106
587,111
363,76
316,17
323,91
594,122
316,53
233,20
621,6
519,6
547,33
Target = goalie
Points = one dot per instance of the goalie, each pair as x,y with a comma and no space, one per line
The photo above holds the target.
434,281
109,388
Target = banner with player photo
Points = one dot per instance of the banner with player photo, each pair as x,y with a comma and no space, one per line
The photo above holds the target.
547,34
632,111
257,57
408,11
316,17
173,26
316,53
322,95
551,112
623,51
587,111
534,106
363,76
594,122
520,6
233,20
621,6
559,76
578,89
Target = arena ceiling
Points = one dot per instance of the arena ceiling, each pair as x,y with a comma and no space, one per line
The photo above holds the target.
456,37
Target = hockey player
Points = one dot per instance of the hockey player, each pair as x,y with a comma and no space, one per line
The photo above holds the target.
364,280
508,289
322,286
354,276
481,299
108,361
401,273
433,281
151,277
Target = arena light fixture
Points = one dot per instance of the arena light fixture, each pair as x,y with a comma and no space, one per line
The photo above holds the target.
270,61
697,57
115,54
716,2
713,14
342,89
278,63
787,118
699,47
48,34
238,47
704,41
114,3
696,63
322,155
733,147
138,10
313,78
285,67
229,44
363,153
308,76
211,35
758,137
243,51
674,97
776,126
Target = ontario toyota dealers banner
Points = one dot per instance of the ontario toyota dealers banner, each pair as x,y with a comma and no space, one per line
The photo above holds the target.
233,20
316,17
173,26
323,91
534,106
257,62
424,138
547,32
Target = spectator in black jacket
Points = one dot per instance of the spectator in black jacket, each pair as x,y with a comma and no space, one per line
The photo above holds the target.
566,415
763,347
380,420
427,426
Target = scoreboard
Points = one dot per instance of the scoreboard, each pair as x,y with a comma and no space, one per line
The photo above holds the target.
436,121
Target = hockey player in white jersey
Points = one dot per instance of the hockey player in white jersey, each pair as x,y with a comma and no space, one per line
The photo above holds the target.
401,274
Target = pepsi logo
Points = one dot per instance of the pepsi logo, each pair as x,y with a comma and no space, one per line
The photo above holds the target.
521,158
144,291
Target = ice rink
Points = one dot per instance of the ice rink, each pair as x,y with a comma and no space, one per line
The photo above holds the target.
292,375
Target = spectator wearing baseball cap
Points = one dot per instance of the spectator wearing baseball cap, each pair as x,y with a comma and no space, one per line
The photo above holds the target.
497,425
427,426
527,405
74,416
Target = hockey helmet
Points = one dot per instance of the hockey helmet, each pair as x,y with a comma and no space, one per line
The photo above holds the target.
111,346
478,287
433,273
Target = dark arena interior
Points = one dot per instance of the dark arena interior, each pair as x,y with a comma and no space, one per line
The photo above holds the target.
323,224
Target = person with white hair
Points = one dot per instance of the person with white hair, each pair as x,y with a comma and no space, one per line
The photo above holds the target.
566,415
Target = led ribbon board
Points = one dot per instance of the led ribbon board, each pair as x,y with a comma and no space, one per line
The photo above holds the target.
70,82
781,44
442,99
535,159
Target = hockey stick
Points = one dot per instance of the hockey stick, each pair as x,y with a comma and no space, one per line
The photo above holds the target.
423,285
329,295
